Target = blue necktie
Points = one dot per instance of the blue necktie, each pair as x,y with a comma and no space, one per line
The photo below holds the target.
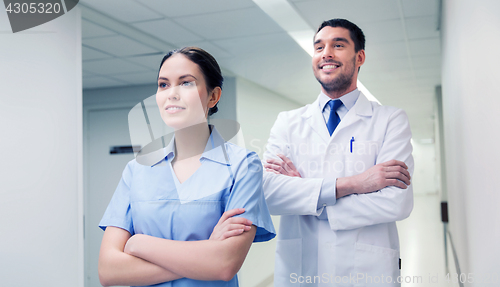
334,118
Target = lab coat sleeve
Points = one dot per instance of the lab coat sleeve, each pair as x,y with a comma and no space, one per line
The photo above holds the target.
287,195
388,204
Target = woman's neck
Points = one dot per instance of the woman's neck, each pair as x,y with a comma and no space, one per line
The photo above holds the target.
191,141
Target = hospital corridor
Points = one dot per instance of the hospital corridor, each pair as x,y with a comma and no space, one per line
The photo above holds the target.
81,111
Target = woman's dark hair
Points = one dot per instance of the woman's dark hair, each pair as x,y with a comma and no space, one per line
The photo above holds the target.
208,65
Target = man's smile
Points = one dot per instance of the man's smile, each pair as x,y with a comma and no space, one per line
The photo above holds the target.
329,66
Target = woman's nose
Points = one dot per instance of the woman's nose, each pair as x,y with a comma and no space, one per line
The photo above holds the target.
173,93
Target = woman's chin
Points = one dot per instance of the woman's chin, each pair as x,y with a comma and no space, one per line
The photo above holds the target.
179,124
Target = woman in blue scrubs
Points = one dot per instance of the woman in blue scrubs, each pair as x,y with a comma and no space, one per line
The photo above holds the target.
188,219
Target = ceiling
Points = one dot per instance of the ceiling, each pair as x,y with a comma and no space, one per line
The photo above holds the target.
124,41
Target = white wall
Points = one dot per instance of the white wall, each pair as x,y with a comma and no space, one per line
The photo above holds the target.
41,214
257,110
471,100
425,178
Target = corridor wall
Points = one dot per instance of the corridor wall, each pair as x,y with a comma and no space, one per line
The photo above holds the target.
41,191
471,100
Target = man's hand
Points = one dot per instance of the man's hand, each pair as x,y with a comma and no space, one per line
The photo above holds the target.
229,226
284,166
389,173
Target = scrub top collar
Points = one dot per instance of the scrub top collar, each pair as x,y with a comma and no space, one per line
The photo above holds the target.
215,149
348,99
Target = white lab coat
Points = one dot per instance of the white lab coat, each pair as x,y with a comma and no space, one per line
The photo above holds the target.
358,244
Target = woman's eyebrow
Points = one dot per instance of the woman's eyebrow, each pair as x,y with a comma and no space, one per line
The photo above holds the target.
180,78
187,75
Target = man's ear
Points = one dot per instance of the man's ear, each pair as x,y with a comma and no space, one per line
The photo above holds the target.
360,58
214,97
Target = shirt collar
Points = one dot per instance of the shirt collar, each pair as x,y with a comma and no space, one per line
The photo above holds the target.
348,99
215,149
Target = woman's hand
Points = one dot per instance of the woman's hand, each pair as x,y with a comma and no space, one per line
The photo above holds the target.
229,226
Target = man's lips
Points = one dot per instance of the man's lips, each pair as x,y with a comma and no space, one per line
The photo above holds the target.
329,66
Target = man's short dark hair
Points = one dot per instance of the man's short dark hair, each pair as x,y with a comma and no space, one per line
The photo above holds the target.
356,33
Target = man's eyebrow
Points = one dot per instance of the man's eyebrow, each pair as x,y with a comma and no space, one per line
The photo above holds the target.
340,39
337,39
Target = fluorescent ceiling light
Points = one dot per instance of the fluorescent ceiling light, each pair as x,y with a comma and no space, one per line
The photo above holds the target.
283,13
304,38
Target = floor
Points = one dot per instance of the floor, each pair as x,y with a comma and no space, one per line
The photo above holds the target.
421,239
422,247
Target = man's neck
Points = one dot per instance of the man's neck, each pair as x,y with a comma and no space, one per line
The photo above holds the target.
337,94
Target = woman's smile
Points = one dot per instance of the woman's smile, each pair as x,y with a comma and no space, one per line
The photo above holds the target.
172,109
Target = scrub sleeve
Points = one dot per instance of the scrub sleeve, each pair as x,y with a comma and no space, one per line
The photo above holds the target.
247,193
118,212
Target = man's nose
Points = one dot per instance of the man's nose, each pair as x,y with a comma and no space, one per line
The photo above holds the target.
328,52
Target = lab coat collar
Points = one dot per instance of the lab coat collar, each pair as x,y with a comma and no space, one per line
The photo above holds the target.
362,107
215,149
317,122
348,99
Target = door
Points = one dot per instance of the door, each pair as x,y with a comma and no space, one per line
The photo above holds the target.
105,128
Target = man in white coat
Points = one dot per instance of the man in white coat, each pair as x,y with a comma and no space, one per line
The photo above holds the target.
338,172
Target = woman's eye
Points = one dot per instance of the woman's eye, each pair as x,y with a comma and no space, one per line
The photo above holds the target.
162,85
187,84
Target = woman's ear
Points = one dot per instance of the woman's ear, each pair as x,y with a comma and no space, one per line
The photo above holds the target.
214,97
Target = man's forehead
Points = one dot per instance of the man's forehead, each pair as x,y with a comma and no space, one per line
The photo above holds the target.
332,33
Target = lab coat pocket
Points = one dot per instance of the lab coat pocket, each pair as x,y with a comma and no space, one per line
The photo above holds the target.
375,265
361,156
288,264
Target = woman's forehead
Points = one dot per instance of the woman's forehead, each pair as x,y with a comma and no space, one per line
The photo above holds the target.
179,65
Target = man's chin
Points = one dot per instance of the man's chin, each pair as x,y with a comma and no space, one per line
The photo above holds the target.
335,86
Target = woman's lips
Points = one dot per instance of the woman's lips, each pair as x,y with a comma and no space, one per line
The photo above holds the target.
174,109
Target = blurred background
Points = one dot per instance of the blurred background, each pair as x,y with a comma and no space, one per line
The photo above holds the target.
67,87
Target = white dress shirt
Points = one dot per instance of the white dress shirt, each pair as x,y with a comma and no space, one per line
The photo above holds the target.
328,193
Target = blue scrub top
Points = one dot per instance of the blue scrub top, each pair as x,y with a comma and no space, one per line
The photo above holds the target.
150,200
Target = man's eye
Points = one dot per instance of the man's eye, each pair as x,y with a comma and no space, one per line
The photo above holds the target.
318,48
339,46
